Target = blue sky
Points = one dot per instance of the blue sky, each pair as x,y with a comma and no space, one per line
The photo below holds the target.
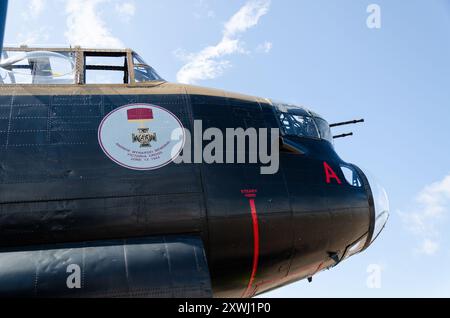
321,54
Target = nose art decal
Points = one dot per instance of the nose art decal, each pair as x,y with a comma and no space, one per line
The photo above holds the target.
141,136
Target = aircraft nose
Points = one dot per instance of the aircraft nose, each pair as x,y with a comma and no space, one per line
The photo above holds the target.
381,205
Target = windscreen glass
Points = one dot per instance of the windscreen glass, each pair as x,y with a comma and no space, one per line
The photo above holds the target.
295,121
37,67
144,72
324,129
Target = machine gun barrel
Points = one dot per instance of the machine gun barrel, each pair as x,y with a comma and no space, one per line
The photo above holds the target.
343,135
346,123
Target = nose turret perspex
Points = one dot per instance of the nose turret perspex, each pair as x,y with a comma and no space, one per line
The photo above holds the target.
381,205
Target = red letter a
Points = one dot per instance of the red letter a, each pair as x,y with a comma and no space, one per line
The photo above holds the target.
329,172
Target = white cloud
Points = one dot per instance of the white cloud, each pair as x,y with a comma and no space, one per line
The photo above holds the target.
247,17
84,23
85,27
34,36
427,221
203,10
36,7
210,62
31,31
428,247
126,10
265,47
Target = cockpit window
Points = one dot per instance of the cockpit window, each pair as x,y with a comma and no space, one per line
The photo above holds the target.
296,125
37,67
144,72
30,66
296,121
300,122
106,68
352,176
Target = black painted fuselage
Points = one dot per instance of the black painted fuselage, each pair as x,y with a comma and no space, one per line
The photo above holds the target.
57,186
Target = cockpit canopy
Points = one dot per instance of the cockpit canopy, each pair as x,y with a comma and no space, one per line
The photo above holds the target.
300,122
74,66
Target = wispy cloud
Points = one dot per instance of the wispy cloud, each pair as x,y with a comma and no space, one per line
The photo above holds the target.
265,47
247,17
428,247
126,10
84,23
211,62
203,9
429,218
33,36
86,27
30,32
36,7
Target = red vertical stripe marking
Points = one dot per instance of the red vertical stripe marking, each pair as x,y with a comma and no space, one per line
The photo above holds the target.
248,291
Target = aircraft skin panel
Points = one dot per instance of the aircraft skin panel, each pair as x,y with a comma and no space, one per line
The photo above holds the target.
156,267
25,224
55,138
